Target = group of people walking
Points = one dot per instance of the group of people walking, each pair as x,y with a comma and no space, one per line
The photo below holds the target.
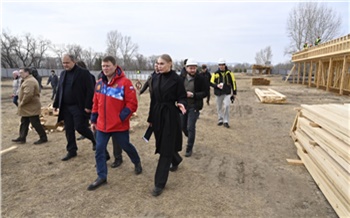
175,104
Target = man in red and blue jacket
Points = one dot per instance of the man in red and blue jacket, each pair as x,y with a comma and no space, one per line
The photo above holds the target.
113,104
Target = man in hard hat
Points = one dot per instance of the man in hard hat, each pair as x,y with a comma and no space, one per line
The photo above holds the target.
318,40
196,88
225,89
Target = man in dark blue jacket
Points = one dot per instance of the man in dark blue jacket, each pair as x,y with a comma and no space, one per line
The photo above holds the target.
197,89
53,79
74,100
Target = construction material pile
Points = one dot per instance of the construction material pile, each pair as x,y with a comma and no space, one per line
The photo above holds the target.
270,96
321,134
260,81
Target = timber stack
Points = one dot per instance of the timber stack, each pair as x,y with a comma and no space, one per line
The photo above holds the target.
270,96
260,81
321,134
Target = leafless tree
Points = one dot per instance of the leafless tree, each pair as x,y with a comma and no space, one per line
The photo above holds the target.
151,60
8,57
141,62
39,48
75,50
89,56
264,56
128,50
114,40
72,49
309,20
22,51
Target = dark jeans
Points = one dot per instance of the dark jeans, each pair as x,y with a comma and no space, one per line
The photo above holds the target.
188,122
117,150
75,119
15,100
122,139
35,121
162,171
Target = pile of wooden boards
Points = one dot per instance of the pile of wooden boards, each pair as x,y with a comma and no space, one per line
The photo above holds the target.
321,134
260,81
270,96
48,119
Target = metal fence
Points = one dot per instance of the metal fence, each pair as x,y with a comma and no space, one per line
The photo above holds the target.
7,73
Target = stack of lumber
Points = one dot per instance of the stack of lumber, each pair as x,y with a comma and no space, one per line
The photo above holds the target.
321,134
270,96
260,81
48,119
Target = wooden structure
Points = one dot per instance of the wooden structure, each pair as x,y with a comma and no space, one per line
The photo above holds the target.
261,68
321,134
260,81
325,66
270,96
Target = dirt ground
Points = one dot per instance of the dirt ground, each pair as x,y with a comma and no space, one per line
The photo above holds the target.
236,172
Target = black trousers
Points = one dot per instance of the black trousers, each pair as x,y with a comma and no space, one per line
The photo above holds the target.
54,91
75,119
35,121
162,171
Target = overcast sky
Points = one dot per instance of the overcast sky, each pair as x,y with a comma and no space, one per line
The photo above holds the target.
205,31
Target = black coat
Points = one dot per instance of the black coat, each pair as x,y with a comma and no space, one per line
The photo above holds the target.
82,88
201,88
168,89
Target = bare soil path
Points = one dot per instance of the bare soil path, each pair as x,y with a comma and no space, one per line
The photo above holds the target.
236,172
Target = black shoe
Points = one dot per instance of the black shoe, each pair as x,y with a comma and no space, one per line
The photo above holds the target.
188,153
98,182
220,123
226,125
173,168
19,140
69,156
40,141
157,191
138,168
81,138
117,162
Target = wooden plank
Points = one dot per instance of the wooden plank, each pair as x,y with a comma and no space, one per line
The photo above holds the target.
342,82
336,125
270,96
295,162
8,149
335,148
310,74
333,197
330,74
338,177
291,71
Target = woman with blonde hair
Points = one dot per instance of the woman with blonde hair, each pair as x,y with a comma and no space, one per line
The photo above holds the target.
168,100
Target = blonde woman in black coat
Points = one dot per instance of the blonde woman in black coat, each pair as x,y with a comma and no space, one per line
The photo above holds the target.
168,100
